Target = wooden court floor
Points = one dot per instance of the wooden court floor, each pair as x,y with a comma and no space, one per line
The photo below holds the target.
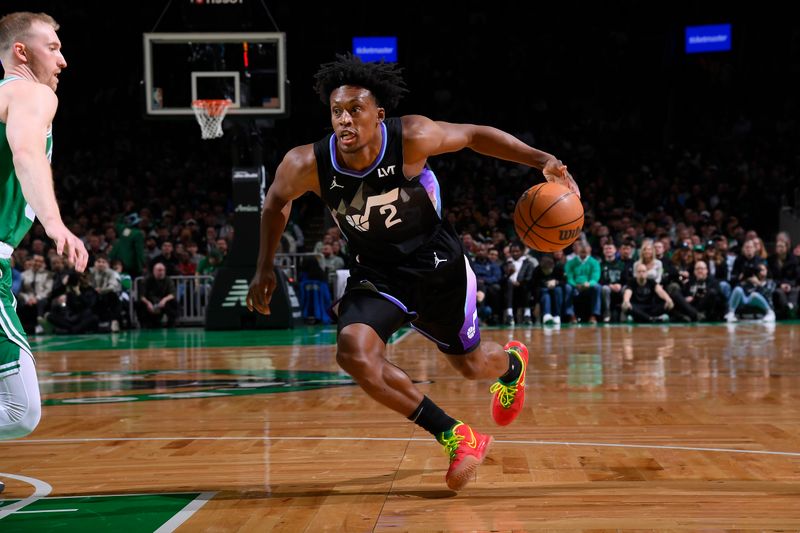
680,428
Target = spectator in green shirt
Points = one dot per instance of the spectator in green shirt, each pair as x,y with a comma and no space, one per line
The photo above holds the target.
583,275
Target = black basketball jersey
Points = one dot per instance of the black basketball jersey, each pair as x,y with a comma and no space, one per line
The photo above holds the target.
383,214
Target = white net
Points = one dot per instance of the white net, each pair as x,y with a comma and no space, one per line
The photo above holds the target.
209,114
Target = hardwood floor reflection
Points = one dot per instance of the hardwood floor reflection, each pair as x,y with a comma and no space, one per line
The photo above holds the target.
669,428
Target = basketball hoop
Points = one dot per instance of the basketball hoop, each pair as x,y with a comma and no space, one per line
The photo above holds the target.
209,114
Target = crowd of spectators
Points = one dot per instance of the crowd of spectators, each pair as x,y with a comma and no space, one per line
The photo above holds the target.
53,297
686,217
651,280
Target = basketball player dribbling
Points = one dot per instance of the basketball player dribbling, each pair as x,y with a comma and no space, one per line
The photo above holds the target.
409,264
31,55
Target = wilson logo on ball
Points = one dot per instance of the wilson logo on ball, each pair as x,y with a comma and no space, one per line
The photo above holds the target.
569,234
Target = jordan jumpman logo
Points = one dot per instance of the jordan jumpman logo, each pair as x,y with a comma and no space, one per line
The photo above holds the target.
437,260
334,184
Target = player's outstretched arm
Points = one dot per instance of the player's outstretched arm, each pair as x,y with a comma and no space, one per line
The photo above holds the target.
423,138
31,109
296,175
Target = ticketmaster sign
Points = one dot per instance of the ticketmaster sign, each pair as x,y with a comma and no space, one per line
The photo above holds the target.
713,38
375,48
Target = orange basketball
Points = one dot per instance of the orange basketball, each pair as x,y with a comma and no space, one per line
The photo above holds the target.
548,217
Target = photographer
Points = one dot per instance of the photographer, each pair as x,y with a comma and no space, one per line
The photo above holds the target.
701,298
157,300
71,310
644,300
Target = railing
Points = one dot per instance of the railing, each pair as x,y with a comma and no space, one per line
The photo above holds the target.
191,292
291,263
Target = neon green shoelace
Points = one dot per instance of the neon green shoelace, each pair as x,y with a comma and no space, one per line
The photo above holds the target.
451,443
507,393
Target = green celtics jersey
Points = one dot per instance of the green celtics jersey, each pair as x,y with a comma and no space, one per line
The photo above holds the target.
16,216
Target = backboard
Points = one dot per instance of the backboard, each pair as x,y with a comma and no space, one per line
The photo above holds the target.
247,68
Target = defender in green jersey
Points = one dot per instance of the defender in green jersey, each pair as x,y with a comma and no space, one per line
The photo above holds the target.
31,56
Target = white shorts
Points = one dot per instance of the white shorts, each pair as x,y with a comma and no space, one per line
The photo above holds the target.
20,403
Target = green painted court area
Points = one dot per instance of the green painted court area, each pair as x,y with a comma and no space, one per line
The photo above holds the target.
143,513
185,338
189,338
183,384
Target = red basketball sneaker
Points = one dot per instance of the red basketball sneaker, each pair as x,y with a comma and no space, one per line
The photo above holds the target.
509,397
467,450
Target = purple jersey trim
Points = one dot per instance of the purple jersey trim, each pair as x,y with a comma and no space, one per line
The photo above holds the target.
431,185
470,333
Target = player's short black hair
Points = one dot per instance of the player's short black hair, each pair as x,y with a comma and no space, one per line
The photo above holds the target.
384,80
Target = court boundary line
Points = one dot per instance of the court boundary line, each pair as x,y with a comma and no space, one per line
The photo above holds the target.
47,511
186,513
57,341
40,490
77,440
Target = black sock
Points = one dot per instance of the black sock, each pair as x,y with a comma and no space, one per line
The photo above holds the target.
431,418
514,369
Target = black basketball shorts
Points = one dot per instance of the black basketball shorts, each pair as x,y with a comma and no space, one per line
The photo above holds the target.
433,290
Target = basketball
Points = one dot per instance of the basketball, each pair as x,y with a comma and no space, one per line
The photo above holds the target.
548,217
